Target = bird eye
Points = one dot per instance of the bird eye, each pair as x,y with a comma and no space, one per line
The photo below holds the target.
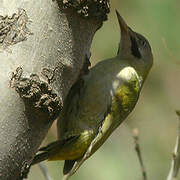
142,42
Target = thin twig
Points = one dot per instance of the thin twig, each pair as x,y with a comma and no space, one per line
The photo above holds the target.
65,177
175,164
44,171
138,151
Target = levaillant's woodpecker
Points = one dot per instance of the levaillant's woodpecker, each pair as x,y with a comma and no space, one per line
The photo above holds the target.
110,92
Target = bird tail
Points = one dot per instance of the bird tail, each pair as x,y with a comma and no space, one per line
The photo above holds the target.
40,157
47,151
68,165
52,149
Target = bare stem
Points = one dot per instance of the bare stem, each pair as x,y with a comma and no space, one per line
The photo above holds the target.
138,151
44,171
175,164
65,177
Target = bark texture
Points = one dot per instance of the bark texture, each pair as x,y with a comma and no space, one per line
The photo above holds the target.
43,47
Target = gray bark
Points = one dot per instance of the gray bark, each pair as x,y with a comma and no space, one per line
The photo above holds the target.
43,48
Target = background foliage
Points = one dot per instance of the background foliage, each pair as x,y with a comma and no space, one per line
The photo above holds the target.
154,114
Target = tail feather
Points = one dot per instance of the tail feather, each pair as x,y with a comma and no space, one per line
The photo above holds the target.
52,149
47,151
68,165
40,157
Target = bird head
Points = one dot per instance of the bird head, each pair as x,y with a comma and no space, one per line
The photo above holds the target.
134,48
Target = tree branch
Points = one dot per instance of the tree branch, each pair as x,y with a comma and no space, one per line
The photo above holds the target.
43,48
138,151
175,164
44,171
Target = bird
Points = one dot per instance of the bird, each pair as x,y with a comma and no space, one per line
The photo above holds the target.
100,101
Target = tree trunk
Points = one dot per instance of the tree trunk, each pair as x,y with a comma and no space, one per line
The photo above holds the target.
43,48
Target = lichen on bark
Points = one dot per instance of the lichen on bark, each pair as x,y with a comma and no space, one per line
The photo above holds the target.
89,8
49,40
13,29
36,93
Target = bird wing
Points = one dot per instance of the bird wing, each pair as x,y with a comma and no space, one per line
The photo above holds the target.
89,101
85,108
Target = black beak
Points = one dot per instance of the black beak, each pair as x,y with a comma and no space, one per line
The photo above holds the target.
122,23
124,27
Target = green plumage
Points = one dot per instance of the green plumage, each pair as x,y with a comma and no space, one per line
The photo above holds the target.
100,101
105,92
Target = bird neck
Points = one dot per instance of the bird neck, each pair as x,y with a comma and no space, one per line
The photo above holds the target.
137,65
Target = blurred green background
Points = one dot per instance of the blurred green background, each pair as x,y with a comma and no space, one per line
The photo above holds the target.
154,115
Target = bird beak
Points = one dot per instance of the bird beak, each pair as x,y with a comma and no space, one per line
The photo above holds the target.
126,34
122,23
125,29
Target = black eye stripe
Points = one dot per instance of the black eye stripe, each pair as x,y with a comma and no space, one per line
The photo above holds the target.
134,48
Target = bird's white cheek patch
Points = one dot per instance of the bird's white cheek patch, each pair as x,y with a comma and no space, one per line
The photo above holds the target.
127,74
